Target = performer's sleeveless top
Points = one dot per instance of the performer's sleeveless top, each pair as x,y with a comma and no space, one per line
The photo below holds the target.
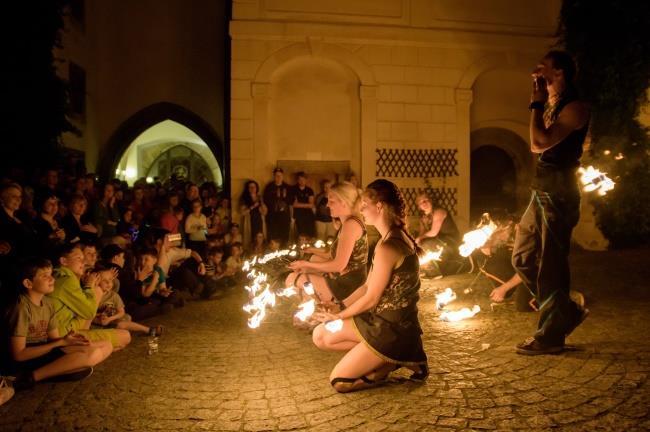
556,167
354,275
392,329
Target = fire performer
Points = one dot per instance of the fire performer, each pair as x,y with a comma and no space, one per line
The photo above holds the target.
438,230
337,274
558,127
380,331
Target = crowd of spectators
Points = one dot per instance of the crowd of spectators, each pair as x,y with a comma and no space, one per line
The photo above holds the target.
84,263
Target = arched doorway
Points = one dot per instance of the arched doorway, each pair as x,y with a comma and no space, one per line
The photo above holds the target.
169,149
202,139
493,184
501,167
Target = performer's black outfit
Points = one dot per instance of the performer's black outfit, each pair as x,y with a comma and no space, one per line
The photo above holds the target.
278,219
305,221
541,250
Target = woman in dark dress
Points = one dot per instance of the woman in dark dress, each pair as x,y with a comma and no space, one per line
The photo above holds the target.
337,275
380,330
253,210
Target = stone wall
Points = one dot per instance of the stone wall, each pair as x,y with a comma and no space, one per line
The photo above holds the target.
387,85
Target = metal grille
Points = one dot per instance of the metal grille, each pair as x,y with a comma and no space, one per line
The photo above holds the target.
416,163
443,197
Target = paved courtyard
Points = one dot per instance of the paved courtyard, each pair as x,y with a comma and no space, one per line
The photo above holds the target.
214,373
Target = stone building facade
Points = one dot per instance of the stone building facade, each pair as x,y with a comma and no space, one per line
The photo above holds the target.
401,89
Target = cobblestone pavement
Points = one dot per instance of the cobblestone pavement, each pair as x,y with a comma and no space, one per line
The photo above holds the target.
213,373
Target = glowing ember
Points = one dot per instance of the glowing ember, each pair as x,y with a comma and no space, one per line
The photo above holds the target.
444,298
594,180
309,288
459,315
319,244
619,156
306,310
334,326
477,238
431,256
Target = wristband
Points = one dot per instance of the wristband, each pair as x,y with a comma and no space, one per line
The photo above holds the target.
536,105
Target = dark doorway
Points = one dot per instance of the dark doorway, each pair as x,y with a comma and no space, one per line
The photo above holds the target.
493,182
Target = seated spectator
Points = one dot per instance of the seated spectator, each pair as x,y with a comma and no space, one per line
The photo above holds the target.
224,211
182,272
112,256
233,235
152,281
196,228
127,226
48,231
235,262
274,245
259,245
76,306
170,220
111,311
217,276
106,214
38,350
90,255
17,237
76,223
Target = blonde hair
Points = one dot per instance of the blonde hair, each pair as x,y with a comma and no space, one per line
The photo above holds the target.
349,194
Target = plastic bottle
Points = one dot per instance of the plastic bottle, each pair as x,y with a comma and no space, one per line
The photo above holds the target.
152,343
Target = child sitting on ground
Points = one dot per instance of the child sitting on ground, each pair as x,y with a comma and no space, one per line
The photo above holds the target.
152,280
37,349
217,276
235,262
111,311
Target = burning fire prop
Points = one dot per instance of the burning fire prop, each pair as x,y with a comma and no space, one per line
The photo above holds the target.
431,256
444,298
464,313
595,180
447,296
259,287
477,238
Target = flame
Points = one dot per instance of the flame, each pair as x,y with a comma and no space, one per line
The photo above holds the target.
444,298
459,315
306,310
431,256
334,326
595,180
619,156
477,238
309,288
257,307
287,292
319,244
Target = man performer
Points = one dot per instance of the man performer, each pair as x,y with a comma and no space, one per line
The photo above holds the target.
558,127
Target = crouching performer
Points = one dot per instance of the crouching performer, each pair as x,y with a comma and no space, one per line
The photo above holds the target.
380,330
338,274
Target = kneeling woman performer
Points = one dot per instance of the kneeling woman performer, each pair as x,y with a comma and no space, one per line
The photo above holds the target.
335,276
381,331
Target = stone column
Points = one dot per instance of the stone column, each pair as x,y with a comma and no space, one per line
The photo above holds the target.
368,95
463,102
